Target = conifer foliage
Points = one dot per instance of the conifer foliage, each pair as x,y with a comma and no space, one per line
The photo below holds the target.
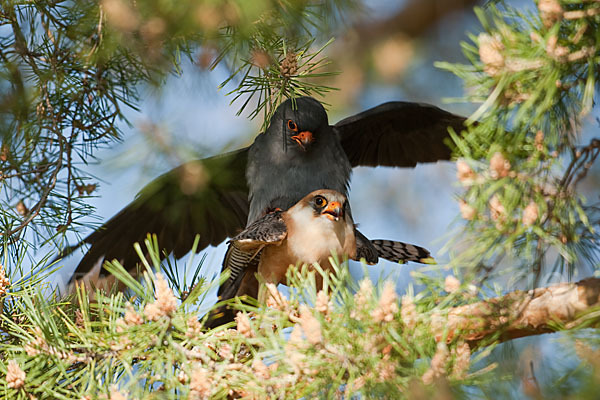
70,69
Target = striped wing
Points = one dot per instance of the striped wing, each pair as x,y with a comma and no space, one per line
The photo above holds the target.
244,250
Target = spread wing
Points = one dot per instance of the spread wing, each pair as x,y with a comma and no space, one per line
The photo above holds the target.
398,134
207,197
372,250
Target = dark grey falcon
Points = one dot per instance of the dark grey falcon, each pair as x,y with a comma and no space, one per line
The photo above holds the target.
298,153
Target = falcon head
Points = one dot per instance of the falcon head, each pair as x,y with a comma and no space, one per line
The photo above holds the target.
328,204
301,121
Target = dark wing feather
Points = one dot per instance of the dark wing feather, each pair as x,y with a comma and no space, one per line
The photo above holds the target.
244,285
398,134
237,262
270,229
207,197
364,249
402,252
244,250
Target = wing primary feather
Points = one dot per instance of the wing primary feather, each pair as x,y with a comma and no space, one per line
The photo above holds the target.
365,249
215,210
398,134
237,262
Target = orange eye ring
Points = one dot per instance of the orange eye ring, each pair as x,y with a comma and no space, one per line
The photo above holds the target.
292,125
320,201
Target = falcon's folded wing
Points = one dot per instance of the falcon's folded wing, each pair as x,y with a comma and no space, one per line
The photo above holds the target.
241,260
270,229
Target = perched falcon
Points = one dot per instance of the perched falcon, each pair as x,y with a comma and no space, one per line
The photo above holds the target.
298,153
309,232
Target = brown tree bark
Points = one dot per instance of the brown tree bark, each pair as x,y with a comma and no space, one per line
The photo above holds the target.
518,314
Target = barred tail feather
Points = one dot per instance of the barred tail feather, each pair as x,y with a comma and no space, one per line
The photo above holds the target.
402,252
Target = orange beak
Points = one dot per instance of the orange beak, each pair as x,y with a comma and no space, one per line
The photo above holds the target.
333,211
304,139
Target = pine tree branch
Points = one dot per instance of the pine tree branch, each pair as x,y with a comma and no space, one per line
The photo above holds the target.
518,314
51,184
582,161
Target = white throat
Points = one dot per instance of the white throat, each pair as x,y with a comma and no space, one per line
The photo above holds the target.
316,236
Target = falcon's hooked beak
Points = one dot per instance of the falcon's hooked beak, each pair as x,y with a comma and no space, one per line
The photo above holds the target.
333,211
304,139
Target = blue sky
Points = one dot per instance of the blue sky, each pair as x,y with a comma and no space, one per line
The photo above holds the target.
412,205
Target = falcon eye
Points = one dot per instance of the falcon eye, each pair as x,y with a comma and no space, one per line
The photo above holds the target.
320,201
292,125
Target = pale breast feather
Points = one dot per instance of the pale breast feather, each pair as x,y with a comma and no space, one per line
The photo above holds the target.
312,238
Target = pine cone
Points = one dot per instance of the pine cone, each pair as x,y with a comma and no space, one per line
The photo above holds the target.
289,65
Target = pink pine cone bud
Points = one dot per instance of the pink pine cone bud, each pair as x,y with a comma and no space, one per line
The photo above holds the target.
499,166
530,214
490,53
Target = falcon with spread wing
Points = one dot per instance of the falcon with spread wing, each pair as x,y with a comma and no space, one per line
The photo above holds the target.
298,153
309,232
